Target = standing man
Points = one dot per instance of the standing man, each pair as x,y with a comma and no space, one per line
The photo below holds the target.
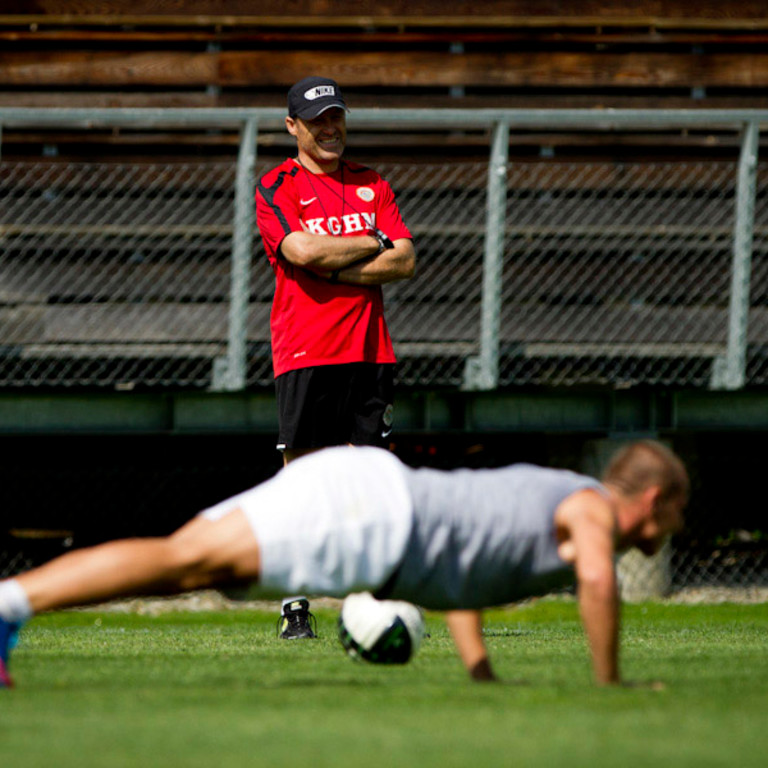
334,235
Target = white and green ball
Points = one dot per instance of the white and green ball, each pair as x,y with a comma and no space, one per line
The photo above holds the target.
380,631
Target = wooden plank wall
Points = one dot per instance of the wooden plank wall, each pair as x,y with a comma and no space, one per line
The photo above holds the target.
518,53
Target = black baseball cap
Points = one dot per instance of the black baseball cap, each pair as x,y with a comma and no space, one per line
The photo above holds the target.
311,96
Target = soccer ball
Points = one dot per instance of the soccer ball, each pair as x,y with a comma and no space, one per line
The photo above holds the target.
380,631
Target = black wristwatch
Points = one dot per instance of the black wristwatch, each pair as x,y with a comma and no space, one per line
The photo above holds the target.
384,241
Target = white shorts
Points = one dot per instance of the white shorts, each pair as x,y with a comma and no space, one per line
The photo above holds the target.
330,523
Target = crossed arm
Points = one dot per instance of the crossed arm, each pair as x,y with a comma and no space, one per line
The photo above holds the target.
353,260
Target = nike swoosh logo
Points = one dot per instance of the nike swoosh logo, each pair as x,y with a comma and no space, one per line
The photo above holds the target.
307,202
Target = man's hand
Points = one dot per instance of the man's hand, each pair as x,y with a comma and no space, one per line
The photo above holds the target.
482,672
466,627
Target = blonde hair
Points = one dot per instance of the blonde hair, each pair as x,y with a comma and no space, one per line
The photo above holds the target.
644,463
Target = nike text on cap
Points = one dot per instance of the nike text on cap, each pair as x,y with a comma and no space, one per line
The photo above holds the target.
311,96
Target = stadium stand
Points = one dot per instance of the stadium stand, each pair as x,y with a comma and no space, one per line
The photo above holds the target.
586,53
583,54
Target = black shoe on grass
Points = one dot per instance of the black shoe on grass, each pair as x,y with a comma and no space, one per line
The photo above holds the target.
296,621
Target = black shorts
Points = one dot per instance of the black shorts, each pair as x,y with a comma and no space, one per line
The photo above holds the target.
334,405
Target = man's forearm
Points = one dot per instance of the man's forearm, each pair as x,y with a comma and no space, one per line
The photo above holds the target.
324,254
466,630
392,264
590,521
599,606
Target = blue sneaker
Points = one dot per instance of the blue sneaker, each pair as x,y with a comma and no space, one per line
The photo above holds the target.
9,633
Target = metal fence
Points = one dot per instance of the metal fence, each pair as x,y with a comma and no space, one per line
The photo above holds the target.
543,272
539,273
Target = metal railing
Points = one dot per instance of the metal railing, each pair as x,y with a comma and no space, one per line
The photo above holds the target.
539,273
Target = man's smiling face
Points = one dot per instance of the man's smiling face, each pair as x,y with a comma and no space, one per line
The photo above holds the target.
321,140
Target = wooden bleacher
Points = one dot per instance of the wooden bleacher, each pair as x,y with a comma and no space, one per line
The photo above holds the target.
423,53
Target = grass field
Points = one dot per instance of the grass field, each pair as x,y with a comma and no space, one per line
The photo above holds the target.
219,690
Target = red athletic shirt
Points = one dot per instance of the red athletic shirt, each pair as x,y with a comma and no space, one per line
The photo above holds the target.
313,321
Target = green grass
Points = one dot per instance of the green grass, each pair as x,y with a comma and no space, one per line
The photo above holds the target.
219,690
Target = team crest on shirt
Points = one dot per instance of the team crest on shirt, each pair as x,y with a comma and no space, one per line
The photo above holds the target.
366,194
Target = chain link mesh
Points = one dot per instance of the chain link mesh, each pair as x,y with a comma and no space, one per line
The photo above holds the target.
617,274
113,274
434,318
613,274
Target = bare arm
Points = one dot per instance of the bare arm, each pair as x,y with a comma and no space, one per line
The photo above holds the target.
466,627
324,254
398,263
590,522
353,260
